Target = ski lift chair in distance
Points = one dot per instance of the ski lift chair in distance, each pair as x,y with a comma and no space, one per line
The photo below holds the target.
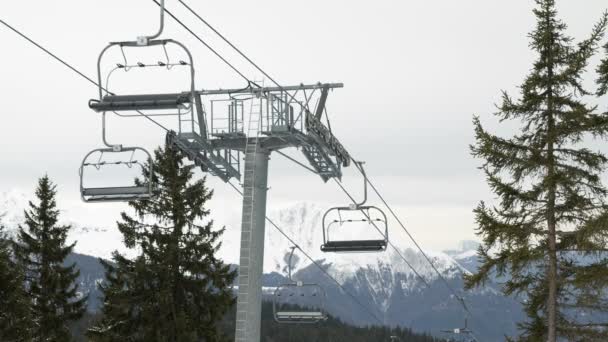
286,312
373,216
464,333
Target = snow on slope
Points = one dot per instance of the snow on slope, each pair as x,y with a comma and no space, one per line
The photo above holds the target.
91,240
301,221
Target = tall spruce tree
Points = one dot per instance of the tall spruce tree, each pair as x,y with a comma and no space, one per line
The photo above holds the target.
41,250
545,233
15,319
176,289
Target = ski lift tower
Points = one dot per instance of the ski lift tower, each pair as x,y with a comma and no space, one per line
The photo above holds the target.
279,118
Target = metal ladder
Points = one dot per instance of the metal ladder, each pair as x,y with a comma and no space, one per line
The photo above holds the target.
251,148
251,142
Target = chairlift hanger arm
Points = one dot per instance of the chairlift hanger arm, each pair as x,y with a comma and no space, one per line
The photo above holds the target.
150,43
144,40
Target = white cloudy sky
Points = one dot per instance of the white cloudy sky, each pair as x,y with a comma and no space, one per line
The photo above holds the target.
414,71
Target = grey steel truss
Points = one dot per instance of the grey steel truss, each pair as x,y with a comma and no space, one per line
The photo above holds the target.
279,117
285,121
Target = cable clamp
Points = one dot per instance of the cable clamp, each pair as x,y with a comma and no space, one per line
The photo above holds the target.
142,41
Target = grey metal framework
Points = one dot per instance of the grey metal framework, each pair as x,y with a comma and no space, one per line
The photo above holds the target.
279,117
284,121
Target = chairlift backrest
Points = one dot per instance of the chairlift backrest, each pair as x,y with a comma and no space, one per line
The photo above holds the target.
373,216
299,312
113,102
286,312
120,193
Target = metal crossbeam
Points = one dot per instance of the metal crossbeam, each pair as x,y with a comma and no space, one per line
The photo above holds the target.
253,90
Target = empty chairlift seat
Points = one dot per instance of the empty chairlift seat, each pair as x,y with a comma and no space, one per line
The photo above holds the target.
97,161
299,302
372,217
300,316
120,193
140,102
354,246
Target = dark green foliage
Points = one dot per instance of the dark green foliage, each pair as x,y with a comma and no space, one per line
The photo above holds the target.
602,70
15,318
333,330
41,249
175,289
546,231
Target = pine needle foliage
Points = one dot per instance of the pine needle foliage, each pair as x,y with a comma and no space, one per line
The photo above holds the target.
176,289
40,250
15,316
545,234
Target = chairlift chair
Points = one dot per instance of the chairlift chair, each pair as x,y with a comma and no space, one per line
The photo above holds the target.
373,216
465,333
114,193
108,101
113,102
302,314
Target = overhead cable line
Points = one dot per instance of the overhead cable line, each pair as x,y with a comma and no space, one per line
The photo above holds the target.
278,85
265,74
458,297
228,42
207,45
367,179
450,288
75,70
378,229
48,52
240,192
367,217
281,88
286,156
315,262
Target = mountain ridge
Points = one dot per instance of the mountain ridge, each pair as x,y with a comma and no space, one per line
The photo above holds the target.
382,282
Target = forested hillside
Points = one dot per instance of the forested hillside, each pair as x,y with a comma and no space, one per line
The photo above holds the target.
332,330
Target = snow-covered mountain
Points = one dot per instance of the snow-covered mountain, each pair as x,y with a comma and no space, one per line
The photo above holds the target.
382,282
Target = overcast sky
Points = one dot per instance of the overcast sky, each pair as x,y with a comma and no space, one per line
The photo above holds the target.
414,72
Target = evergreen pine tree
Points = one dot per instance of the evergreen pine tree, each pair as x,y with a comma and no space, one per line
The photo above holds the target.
545,232
41,250
176,289
15,319
602,70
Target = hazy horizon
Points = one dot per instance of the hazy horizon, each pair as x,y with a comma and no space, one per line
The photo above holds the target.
414,75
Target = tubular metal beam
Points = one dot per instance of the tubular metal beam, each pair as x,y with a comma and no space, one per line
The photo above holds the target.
270,89
321,105
249,300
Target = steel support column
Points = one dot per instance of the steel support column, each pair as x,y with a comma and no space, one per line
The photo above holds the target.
249,301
